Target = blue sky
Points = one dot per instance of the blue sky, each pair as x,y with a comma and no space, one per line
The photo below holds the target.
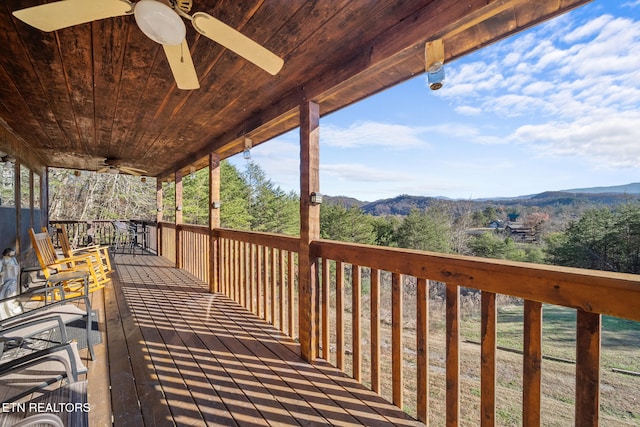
555,107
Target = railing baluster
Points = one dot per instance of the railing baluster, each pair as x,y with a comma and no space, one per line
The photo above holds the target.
265,282
453,355
259,301
532,364
274,280
488,333
339,315
252,277
325,309
281,297
224,243
234,270
396,340
291,266
239,284
375,330
229,269
242,274
422,334
587,408
356,336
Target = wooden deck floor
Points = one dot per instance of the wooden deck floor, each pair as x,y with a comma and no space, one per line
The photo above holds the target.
194,358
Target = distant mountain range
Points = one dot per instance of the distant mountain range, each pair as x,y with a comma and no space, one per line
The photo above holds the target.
402,205
633,188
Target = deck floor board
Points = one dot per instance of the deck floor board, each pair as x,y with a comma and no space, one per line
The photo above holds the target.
190,357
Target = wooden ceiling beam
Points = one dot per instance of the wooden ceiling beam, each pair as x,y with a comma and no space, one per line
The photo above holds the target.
18,148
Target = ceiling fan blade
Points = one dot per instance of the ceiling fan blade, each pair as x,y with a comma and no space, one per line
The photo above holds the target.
67,13
232,39
181,65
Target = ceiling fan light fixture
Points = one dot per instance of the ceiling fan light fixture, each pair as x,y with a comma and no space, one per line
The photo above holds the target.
160,22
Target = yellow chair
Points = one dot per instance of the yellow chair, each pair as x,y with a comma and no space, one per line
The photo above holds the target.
51,263
100,253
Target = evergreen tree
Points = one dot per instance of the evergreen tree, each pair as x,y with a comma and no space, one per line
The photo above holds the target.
271,209
385,229
488,245
196,197
602,239
234,199
428,230
338,222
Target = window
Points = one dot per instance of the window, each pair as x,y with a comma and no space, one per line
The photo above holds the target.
7,184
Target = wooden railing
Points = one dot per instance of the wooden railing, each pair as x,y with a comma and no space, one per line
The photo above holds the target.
84,233
102,232
194,250
167,241
591,293
258,270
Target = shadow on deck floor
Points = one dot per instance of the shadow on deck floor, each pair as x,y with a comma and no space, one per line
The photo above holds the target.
201,359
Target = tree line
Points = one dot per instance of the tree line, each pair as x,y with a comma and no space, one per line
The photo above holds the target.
605,238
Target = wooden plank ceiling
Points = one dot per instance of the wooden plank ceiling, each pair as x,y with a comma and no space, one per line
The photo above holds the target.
104,90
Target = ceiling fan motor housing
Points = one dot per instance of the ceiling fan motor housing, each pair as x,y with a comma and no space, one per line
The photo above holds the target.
159,22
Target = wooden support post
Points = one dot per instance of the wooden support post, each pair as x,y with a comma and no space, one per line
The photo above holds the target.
178,219
17,182
31,201
214,222
159,202
44,198
309,227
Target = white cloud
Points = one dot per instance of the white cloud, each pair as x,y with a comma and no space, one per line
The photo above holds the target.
355,172
538,88
468,110
573,87
470,79
370,134
589,29
609,142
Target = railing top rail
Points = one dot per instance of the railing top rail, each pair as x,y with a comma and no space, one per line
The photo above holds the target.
194,228
100,221
615,294
274,240
280,241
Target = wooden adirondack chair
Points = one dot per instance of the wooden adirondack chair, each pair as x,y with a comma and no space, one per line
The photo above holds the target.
51,263
100,253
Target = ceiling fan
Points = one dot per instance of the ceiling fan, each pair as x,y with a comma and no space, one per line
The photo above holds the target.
160,22
114,166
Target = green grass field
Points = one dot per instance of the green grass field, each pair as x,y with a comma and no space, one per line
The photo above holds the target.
620,337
